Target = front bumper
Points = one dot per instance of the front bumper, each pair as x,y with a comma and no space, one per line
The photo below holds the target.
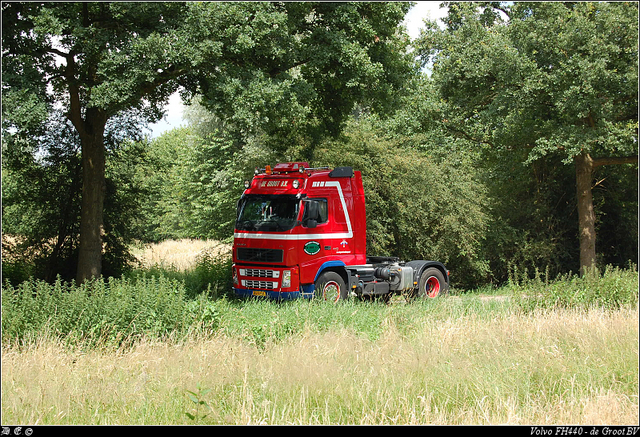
280,283
270,294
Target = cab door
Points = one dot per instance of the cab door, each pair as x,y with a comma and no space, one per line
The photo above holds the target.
326,235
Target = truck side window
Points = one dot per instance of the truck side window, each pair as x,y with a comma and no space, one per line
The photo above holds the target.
323,211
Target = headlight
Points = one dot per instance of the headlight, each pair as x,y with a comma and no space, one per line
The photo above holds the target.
296,183
286,279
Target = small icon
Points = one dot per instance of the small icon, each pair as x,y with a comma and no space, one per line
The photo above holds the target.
28,432
17,430
6,430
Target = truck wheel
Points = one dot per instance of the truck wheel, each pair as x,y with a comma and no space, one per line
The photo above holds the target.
330,287
431,284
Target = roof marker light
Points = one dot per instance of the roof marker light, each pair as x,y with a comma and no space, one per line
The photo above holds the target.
268,169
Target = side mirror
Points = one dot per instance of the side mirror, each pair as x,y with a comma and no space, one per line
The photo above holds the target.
311,214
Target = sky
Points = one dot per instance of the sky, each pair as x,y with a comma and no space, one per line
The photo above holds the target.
413,21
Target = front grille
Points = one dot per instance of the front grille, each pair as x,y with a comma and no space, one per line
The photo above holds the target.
264,285
258,273
260,255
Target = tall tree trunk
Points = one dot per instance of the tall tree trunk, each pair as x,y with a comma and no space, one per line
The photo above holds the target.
586,215
585,165
93,193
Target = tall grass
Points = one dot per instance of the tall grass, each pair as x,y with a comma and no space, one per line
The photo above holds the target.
152,302
167,346
546,367
178,255
611,289
102,312
205,269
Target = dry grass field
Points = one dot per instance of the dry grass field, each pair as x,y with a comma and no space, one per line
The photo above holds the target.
177,254
559,367
457,360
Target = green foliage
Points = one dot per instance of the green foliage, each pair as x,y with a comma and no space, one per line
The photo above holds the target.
41,199
124,198
611,290
100,312
615,196
259,64
539,84
195,183
164,211
533,219
553,78
423,201
15,271
197,399
420,205
295,70
210,276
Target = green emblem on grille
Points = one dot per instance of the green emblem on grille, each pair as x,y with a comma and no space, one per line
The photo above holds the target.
312,247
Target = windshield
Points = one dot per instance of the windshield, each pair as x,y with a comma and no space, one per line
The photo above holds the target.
275,213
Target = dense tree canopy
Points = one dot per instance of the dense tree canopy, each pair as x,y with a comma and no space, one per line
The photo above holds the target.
472,164
551,78
259,65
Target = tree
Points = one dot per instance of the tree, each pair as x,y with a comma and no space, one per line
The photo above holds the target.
423,197
41,193
269,65
40,199
549,78
196,182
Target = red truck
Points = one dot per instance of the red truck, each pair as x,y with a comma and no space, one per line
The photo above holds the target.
301,232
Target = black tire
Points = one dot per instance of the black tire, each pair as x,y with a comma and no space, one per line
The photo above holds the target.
431,284
331,287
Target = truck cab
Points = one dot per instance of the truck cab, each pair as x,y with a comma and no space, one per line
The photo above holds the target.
301,232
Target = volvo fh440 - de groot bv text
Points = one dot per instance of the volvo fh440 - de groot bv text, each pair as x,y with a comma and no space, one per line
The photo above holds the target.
301,232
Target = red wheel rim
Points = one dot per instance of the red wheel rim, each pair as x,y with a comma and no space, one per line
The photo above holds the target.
331,291
432,287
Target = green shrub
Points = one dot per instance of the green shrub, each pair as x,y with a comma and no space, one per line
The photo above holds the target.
16,272
97,312
609,290
211,275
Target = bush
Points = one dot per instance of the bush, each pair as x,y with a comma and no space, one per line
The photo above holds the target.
16,272
610,290
211,274
422,201
113,312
